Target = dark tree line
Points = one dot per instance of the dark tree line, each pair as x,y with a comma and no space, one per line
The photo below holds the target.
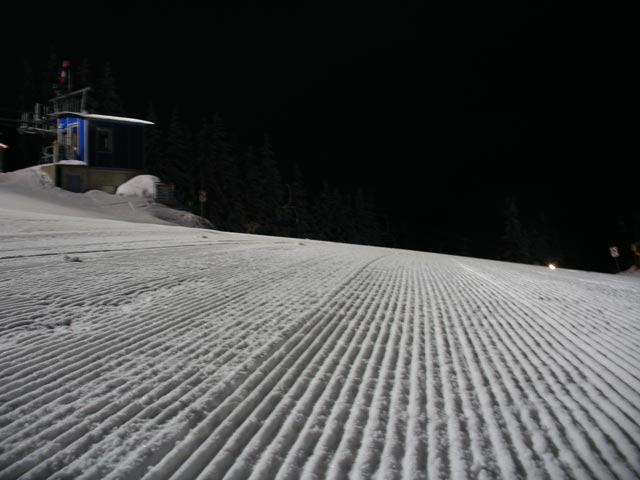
246,189
532,242
39,84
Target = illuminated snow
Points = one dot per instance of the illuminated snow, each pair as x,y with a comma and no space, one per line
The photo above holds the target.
141,350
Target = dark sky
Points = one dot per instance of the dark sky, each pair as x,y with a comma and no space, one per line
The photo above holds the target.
444,113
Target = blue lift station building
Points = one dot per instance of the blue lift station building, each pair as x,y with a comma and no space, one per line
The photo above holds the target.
93,151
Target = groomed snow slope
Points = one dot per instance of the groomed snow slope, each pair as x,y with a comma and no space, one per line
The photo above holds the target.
146,351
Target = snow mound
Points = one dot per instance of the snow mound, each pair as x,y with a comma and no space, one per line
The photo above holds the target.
30,190
27,178
632,270
140,186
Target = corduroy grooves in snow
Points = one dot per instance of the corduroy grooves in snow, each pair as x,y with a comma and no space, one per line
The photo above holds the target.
133,350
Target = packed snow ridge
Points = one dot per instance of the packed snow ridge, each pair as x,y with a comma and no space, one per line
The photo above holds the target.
137,349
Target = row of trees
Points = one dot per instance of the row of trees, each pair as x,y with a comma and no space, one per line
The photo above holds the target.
39,84
246,188
528,243
247,191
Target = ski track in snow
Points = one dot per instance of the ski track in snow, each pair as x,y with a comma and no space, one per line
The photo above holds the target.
174,353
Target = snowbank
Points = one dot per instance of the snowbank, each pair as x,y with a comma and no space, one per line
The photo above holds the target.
31,190
140,186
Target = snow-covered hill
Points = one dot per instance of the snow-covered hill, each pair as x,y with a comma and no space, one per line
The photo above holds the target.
137,350
30,190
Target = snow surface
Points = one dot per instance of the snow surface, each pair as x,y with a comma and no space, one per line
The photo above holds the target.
141,350
30,191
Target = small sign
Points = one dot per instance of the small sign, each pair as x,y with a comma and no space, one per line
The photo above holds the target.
164,193
614,252
202,196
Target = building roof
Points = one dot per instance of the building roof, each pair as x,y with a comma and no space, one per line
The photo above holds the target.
110,118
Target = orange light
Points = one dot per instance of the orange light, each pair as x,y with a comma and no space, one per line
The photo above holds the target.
552,266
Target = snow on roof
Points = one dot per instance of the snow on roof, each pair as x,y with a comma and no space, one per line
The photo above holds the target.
117,119
110,118
71,162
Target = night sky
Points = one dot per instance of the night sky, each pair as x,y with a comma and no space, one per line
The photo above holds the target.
443,114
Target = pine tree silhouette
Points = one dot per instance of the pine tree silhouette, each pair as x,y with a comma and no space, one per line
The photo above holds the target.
108,101
48,77
83,79
227,174
27,97
515,237
153,145
179,165
271,188
296,208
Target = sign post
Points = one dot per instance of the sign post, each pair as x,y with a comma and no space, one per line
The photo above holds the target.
615,254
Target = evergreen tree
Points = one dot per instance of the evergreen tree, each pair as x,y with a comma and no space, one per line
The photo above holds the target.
226,178
179,165
153,149
49,76
108,101
272,189
515,237
26,150
253,192
320,214
264,190
219,176
299,222
366,218
83,74
204,179
348,230
27,98
325,213
83,80
540,242
373,222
